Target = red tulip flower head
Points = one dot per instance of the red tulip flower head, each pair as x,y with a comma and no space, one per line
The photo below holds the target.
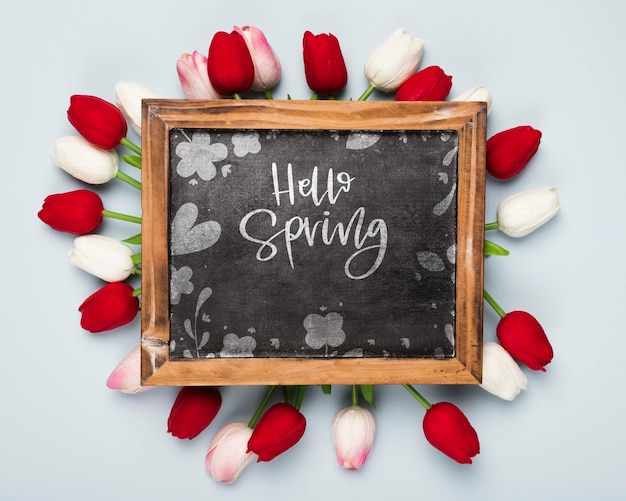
98,121
76,212
279,429
523,337
229,63
194,409
509,151
109,307
429,84
447,429
324,66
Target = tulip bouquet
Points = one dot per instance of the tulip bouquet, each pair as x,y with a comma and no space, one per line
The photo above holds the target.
239,64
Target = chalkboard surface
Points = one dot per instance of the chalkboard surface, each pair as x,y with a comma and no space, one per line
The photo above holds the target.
294,243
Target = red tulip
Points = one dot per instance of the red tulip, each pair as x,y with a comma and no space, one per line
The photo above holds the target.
509,151
194,409
109,307
229,65
98,121
324,67
279,429
429,84
447,429
523,337
77,212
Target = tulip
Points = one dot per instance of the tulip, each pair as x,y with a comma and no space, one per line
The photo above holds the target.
267,70
501,374
98,121
392,62
229,64
128,96
429,84
523,337
524,212
108,308
479,94
77,212
509,151
447,429
227,456
126,377
194,78
279,429
194,409
86,162
353,433
103,257
324,66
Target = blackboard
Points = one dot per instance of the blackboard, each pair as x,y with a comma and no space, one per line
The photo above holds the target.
293,238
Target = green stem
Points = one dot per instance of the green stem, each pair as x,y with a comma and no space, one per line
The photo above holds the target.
137,271
136,258
122,217
355,395
417,396
236,95
492,226
127,179
368,92
255,418
313,97
300,396
493,304
137,292
131,146
268,94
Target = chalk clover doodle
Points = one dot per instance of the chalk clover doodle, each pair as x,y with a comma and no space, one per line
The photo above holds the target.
324,331
180,283
235,346
246,143
198,156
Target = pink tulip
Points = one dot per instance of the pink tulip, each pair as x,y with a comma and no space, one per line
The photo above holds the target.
126,377
267,70
227,456
353,435
193,76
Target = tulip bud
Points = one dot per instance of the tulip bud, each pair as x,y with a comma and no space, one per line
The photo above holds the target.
353,433
229,64
103,257
429,84
128,96
447,429
279,429
86,162
524,212
227,456
98,121
509,151
501,374
110,307
479,94
395,60
267,70
523,337
194,409
324,66
126,377
194,78
77,212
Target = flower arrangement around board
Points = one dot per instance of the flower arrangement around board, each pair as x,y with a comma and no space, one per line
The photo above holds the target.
239,63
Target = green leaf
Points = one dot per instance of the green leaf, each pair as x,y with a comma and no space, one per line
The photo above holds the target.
367,390
135,240
133,160
326,388
492,249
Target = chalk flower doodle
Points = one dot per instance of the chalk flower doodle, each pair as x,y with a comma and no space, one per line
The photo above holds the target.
236,60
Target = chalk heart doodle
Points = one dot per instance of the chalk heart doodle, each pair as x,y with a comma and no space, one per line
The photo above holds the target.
187,238
324,331
235,346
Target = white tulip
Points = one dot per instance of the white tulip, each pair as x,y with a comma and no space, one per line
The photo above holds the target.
479,94
126,377
103,257
353,433
524,212
228,456
501,374
128,96
395,60
78,157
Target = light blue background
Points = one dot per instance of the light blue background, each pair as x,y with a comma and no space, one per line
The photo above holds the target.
558,66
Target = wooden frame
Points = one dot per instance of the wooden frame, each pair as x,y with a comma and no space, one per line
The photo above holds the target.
160,117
